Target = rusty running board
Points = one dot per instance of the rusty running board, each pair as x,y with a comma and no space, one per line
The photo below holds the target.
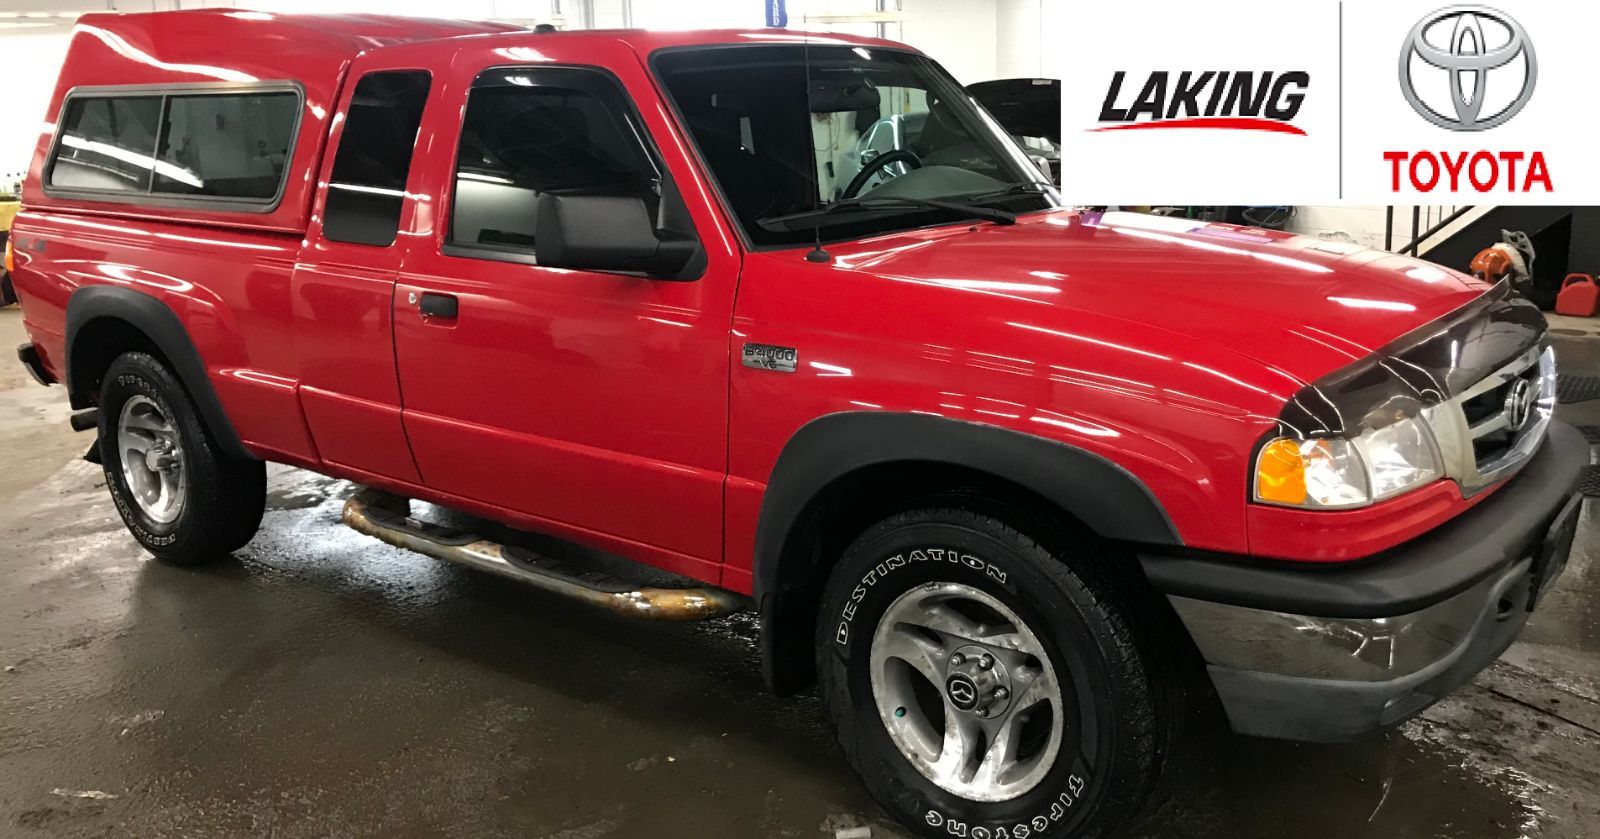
388,517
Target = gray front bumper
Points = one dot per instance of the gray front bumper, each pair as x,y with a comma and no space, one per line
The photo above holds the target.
1328,680
1316,678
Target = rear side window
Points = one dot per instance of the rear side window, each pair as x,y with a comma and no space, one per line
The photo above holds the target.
532,130
106,144
226,146
368,185
231,146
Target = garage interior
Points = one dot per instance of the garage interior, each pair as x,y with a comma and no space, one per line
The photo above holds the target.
326,684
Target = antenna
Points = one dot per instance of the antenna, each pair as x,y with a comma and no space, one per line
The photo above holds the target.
816,254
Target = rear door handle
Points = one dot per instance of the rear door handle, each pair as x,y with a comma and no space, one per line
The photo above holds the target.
436,305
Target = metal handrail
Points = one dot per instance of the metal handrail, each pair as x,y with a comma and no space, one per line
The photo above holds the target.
1420,215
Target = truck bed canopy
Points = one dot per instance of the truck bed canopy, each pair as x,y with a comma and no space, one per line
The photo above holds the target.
214,48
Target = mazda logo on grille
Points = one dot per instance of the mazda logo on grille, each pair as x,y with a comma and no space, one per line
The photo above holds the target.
1520,402
1467,57
963,692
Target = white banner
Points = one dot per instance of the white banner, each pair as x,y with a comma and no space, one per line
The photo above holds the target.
1328,102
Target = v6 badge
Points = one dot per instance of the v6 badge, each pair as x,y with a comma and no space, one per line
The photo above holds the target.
770,357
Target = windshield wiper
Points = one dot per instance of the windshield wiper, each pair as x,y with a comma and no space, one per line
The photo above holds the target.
1016,188
813,218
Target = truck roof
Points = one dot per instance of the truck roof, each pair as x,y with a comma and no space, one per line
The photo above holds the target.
313,52
205,45
646,41
238,45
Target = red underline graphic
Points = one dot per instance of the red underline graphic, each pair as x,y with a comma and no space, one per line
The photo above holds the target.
1233,123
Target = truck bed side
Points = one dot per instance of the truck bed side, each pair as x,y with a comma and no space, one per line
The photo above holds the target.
228,288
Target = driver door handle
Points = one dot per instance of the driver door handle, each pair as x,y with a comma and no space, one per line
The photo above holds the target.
436,306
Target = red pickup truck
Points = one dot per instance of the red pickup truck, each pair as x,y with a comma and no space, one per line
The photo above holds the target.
1003,475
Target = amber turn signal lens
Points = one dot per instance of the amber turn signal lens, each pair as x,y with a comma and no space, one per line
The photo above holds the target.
1281,473
10,262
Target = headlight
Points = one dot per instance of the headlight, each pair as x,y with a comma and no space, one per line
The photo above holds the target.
1399,457
1336,473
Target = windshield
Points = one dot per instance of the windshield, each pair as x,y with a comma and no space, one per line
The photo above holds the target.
782,139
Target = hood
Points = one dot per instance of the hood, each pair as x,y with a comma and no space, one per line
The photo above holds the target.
1023,107
1299,305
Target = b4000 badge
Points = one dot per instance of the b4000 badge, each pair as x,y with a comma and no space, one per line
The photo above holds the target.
770,357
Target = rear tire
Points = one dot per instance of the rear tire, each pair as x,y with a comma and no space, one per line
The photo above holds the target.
1071,723
183,499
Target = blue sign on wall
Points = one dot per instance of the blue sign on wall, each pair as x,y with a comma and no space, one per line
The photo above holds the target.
777,12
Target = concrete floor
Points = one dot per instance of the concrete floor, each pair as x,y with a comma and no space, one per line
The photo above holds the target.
323,684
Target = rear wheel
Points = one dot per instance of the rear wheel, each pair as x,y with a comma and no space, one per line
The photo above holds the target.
185,501
984,687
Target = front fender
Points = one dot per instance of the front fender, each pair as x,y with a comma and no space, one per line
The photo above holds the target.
1098,493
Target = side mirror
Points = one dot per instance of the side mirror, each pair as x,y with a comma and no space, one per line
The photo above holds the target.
607,233
1043,164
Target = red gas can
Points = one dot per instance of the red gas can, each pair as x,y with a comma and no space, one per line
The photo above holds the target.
1578,296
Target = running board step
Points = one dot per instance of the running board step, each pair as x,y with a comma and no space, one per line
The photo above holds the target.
388,517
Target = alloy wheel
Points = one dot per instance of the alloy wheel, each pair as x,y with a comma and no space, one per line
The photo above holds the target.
152,459
967,692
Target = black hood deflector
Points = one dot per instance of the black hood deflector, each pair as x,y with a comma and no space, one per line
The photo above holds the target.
1422,368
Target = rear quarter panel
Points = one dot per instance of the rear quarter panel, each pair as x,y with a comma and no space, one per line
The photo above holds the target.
230,289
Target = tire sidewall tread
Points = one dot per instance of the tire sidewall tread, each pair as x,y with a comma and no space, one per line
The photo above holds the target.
1128,748
225,497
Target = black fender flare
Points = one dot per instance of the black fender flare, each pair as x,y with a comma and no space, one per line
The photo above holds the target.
165,330
1097,492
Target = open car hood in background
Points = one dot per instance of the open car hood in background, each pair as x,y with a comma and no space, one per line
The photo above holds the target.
1024,107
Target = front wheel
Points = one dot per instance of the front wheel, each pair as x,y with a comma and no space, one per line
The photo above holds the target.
984,687
185,501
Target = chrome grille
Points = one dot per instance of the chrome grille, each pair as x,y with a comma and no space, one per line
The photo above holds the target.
1478,430
1486,404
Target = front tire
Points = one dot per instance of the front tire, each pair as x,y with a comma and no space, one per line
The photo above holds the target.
984,687
181,498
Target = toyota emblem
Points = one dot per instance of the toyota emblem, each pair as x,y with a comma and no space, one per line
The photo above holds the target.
1481,39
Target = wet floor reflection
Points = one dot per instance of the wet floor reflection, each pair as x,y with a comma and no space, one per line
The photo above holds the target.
1396,786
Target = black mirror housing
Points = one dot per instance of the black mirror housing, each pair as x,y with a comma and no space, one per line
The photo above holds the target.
607,233
835,96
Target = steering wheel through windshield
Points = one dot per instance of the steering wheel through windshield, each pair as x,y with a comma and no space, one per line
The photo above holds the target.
872,166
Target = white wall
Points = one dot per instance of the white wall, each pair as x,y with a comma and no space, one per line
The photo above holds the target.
33,60
1362,225
1019,40
698,14
1023,44
960,34
608,14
